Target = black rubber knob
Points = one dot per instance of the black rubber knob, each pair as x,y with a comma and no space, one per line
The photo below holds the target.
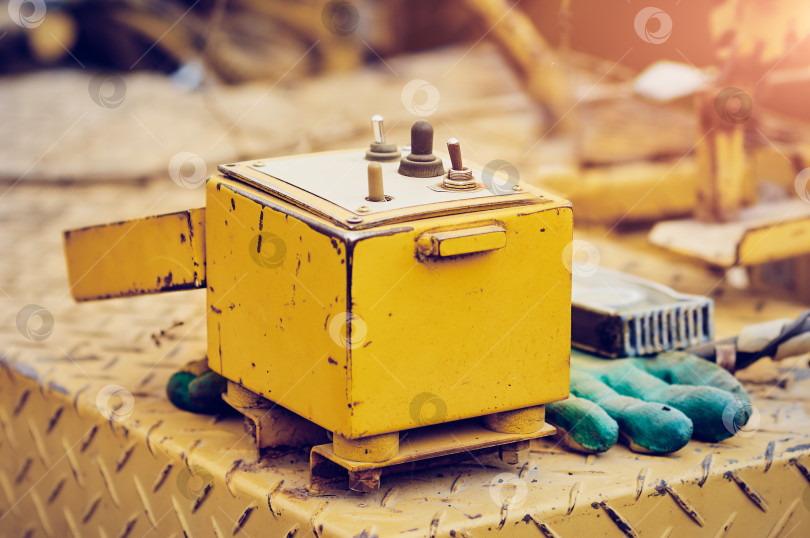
422,138
421,162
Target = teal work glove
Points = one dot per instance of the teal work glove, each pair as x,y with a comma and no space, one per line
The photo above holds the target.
656,405
652,405
198,389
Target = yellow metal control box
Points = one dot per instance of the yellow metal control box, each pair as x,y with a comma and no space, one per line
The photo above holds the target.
375,317
369,293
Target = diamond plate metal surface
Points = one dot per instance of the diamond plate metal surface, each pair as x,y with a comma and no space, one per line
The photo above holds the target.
90,445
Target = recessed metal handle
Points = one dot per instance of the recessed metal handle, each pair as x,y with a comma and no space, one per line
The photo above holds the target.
458,242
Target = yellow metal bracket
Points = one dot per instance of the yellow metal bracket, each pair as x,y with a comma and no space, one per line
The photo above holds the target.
136,257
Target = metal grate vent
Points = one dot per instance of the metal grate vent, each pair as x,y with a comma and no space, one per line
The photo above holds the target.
619,315
667,328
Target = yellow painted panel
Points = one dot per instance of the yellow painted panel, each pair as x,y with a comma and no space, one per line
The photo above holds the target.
135,257
350,330
275,285
447,339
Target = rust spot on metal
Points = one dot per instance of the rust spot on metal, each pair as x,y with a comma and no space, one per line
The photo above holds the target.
54,419
202,496
161,477
215,310
642,476
620,522
119,464
802,469
390,496
504,515
803,446
317,529
185,456
128,528
526,467
243,518
56,490
107,479
292,532
750,493
24,470
88,438
152,428
573,496
166,333
457,485
91,509
219,345
235,466
544,529
706,464
682,503
434,525
769,456
726,525
365,480
21,402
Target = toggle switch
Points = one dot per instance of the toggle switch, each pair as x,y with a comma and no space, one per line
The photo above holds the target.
459,177
421,162
376,192
379,150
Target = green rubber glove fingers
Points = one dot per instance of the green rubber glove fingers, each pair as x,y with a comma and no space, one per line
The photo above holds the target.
206,392
198,393
682,368
582,426
177,390
706,406
644,426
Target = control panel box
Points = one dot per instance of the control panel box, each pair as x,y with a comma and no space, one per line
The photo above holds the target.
368,314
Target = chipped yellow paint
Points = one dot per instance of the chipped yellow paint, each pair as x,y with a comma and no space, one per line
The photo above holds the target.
274,286
363,332
356,332
134,257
